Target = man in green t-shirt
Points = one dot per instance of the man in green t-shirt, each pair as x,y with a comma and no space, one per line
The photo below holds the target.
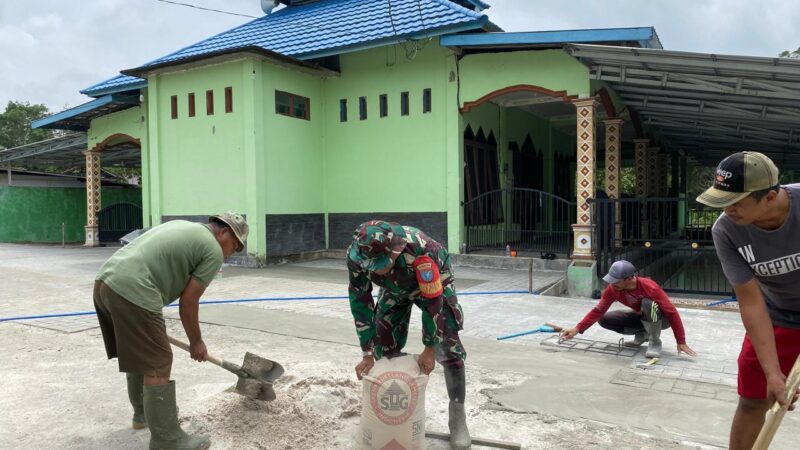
177,259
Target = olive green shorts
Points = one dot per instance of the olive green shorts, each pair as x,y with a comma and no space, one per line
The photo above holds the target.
133,335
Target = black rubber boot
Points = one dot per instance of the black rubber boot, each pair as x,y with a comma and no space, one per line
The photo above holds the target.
162,416
135,389
456,382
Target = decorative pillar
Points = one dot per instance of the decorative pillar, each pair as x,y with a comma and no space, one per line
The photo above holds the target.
641,180
675,172
92,198
663,168
652,171
613,162
653,213
640,146
584,178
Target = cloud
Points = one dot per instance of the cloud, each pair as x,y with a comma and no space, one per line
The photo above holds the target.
711,26
52,48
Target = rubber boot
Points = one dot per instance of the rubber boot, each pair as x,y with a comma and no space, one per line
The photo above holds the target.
654,334
639,337
162,416
135,388
456,390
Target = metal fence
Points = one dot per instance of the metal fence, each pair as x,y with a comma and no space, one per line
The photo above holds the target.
667,239
119,219
524,219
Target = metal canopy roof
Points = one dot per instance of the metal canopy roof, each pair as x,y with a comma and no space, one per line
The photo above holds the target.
708,105
79,117
66,152
634,37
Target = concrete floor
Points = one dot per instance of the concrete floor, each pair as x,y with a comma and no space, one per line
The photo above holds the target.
529,389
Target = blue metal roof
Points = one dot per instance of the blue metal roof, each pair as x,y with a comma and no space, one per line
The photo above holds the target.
324,28
478,4
116,84
646,37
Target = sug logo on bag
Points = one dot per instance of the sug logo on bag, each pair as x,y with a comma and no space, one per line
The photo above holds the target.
393,397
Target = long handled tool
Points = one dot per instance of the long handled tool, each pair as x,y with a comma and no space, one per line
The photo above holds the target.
256,374
546,328
477,441
775,414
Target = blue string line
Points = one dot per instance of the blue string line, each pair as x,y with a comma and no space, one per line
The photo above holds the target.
242,300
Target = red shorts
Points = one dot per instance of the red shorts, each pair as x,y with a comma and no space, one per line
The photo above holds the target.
752,381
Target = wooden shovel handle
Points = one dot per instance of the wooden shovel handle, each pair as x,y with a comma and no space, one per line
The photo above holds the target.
775,414
211,358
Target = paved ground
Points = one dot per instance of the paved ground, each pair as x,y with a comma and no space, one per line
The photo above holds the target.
588,393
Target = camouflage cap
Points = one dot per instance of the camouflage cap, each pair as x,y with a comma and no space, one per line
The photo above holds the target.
374,242
238,225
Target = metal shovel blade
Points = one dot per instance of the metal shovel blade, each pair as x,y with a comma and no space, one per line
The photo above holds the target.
255,389
261,369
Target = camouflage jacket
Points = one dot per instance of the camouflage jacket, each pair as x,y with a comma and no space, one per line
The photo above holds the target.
401,284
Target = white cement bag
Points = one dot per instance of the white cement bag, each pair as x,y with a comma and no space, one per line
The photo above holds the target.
393,406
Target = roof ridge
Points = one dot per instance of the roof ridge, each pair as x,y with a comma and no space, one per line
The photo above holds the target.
456,7
323,28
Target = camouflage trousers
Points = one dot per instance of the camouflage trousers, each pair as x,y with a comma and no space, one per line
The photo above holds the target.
392,317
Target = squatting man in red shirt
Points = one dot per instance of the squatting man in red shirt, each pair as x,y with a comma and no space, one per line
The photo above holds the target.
652,311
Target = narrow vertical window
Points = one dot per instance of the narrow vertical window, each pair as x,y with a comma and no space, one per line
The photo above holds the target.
362,108
404,103
228,99
174,106
384,105
191,104
426,101
209,102
343,110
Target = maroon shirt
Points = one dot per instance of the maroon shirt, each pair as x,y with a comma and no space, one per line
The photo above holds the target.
645,288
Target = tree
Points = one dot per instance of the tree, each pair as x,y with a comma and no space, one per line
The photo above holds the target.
793,54
15,124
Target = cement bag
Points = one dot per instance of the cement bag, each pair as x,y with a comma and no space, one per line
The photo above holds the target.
393,406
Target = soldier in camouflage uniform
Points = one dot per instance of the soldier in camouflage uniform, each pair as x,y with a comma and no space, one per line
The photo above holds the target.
411,269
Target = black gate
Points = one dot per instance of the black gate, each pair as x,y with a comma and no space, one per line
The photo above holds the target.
118,219
667,239
524,219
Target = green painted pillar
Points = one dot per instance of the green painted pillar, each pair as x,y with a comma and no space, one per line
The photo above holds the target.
254,154
144,154
454,173
154,151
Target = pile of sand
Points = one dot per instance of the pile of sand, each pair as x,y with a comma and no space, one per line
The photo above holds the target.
308,413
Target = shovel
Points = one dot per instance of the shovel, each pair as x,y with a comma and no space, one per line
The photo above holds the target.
256,374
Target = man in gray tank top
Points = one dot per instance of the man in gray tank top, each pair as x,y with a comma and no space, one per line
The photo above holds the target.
757,240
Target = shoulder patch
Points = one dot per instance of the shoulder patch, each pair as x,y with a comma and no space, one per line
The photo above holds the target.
428,278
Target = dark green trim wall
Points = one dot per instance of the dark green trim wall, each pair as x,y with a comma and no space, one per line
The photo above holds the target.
35,214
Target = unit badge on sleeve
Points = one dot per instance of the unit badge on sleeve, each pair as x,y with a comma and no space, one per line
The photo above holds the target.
430,283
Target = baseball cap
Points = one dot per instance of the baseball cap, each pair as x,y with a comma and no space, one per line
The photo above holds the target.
737,176
374,242
238,225
619,271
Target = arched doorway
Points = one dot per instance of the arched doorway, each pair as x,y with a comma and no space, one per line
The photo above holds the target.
118,154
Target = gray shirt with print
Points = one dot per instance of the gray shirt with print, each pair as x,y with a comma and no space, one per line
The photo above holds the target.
772,257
